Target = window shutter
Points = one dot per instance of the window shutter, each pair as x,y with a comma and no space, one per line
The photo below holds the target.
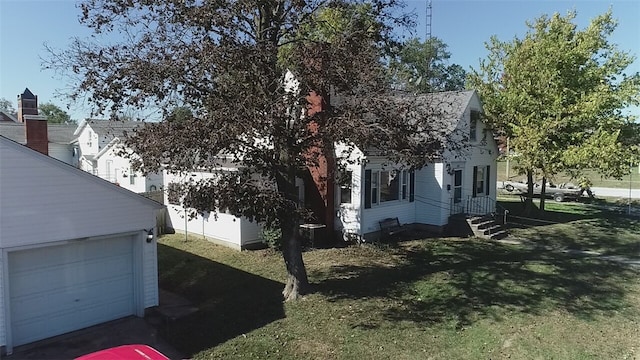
475,181
412,177
488,178
367,189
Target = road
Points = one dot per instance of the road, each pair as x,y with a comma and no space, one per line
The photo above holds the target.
619,193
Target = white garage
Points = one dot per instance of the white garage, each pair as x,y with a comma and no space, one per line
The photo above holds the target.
76,250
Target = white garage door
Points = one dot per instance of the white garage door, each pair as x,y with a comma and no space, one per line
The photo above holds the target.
57,289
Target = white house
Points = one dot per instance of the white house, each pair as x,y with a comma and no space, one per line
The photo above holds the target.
117,169
75,250
462,182
221,228
98,145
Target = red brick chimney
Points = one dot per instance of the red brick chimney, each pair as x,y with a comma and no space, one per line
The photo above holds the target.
35,126
36,130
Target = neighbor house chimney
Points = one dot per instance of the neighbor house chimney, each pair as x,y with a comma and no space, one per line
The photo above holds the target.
36,130
27,104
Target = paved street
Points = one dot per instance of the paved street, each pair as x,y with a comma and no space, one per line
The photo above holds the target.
620,193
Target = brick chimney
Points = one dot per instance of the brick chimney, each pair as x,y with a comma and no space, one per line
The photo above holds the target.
35,126
27,104
37,134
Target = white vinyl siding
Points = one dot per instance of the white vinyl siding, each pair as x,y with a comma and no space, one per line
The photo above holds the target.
45,201
221,228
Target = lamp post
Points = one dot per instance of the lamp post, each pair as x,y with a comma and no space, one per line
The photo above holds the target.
630,183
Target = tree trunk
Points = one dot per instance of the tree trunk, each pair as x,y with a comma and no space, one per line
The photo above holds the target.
528,204
543,193
297,281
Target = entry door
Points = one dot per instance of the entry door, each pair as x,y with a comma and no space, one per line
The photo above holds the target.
458,206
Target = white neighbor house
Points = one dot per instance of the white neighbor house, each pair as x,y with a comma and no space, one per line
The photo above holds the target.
224,229
98,144
75,250
461,183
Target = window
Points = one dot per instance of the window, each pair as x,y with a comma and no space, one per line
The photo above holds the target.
384,186
389,185
132,176
457,186
108,167
481,180
344,179
473,125
374,187
173,193
404,185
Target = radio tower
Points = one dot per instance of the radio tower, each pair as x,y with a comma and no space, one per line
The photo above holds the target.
428,22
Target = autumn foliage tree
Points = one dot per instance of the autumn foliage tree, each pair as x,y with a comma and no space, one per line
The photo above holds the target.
559,94
245,69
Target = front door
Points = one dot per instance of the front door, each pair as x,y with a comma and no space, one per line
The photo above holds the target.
457,205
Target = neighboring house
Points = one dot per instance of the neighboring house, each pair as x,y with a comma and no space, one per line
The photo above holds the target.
98,146
28,128
221,228
462,182
65,263
117,169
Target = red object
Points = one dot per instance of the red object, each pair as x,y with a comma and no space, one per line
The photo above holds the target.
125,352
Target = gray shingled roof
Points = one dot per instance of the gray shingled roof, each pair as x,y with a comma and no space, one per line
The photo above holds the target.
112,128
59,134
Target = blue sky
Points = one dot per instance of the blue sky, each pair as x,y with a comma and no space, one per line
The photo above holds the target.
464,25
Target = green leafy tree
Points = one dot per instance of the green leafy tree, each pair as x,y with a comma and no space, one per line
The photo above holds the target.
423,66
559,95
54,114
231,62
7,106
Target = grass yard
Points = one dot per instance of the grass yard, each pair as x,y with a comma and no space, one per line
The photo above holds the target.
436,298
597,179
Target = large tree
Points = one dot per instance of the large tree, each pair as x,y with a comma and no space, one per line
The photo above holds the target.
423,66
54,114
559,94
7,106
258,76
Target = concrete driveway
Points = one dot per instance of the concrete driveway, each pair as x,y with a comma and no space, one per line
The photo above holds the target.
129,330
125,331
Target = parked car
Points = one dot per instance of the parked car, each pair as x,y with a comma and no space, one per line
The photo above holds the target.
125,352
560,192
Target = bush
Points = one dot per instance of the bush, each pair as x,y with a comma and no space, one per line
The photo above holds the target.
272,237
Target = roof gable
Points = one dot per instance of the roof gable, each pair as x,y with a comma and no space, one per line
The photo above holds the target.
46,200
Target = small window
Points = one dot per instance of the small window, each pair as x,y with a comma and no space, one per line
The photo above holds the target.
374,187
405,182
173,193
345,179
132,176
480,177
457,186
473,125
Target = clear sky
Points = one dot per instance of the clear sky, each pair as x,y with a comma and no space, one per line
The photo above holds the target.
464,25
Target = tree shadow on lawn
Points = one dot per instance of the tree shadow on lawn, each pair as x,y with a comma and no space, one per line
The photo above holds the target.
613,235
231,302
469,280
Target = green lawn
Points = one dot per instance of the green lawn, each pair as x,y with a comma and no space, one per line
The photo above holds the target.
432,298
598,181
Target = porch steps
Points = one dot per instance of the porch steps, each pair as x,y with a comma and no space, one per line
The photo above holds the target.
487,227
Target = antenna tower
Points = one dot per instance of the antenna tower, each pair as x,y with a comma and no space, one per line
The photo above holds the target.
428,22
